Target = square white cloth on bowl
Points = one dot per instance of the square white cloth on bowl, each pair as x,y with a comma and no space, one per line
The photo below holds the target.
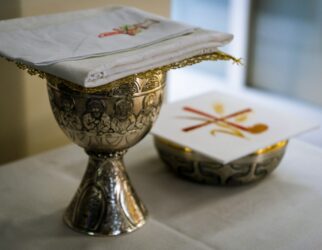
227,127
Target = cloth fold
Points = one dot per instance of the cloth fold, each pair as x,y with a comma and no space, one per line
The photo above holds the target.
94,47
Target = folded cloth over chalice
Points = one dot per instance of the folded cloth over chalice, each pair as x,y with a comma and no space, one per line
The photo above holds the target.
105,70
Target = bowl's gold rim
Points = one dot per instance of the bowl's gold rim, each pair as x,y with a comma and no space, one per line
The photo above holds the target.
274,147
277,146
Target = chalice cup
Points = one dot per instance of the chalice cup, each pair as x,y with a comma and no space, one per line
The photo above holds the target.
106,123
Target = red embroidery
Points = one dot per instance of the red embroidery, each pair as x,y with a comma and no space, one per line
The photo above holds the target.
130,30
230,127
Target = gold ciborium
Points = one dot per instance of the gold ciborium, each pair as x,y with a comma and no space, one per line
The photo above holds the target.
106,123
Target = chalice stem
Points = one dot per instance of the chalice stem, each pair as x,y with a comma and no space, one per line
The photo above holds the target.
105,202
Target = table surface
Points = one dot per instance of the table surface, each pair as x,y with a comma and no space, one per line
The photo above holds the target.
284,211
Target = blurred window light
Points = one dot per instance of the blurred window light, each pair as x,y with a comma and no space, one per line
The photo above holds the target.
207,14
286,48
281,46
280,43
230,16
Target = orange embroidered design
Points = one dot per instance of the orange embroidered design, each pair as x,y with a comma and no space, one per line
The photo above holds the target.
224,123
130,30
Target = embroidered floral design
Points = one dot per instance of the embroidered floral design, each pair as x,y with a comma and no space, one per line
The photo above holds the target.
130,30
223,122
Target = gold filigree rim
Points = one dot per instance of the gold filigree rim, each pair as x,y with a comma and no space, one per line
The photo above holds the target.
215,56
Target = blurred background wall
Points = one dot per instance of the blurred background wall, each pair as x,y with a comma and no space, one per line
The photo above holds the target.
27,125
280,43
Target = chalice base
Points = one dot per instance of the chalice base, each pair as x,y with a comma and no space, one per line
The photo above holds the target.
105,203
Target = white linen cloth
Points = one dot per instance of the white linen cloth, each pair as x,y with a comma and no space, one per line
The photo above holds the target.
281,212
228,139
93,47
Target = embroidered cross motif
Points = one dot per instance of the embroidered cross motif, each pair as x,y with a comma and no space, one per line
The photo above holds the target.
225,126
130,30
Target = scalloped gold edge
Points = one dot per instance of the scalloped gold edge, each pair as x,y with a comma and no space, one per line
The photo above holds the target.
215,56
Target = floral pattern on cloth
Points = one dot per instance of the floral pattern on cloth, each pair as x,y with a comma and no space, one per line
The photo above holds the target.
130,30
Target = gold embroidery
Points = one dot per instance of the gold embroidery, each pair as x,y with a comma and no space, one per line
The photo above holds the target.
219,108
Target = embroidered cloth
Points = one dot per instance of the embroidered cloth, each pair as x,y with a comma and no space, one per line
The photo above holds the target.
97,46
227,127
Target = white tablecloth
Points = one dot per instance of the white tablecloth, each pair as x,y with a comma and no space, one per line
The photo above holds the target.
284,211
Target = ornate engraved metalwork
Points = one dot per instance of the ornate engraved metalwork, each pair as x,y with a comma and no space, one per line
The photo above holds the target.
107,120
106,124
105,203
196,167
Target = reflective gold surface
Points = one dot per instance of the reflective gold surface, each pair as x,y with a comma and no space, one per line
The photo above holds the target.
106,124
272,148
196,167
106,121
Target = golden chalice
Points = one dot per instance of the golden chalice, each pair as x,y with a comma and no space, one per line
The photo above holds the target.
106,123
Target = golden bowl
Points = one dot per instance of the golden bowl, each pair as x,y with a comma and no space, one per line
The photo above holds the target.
196,167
